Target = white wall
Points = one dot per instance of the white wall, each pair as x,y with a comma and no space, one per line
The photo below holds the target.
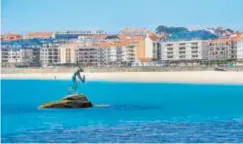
148,47
240,49
112,54
63,58
14,56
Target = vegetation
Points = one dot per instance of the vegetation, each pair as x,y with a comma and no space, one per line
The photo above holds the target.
170,30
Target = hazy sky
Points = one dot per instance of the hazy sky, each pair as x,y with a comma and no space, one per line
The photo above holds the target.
24,16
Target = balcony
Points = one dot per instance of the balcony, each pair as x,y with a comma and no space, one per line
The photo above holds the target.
169,49
169,57
182,52
182,57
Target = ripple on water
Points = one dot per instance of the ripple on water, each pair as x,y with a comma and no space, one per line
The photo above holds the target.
147,132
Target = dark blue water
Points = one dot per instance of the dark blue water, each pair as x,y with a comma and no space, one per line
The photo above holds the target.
138,112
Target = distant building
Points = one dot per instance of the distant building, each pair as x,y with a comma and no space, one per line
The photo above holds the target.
39,35
184,52
11,36
76,34
135,32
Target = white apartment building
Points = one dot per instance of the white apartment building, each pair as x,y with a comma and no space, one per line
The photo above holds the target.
118,53
4,55
184,51
68,54
239,46
110,55
19,56
129,53
50,54
14,56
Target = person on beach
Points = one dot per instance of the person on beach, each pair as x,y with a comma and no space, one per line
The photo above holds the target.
74,79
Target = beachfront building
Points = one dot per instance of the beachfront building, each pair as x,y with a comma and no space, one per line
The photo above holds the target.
68,53
88,55
14,56
117,53
148,49
110,53
222,50
184,52
17,56
240,49
129,53
239,45
50,54
20,52
4,55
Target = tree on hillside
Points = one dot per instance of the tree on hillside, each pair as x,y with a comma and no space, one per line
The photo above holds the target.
170,30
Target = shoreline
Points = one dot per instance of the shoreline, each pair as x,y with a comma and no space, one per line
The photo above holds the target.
213,77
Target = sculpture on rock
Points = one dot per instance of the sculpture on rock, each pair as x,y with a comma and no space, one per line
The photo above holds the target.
73,100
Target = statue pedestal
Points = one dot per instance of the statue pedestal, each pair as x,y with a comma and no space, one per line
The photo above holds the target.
70,101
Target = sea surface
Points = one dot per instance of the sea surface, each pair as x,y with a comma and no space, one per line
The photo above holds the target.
134,112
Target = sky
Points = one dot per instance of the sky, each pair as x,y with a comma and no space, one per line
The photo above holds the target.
23,16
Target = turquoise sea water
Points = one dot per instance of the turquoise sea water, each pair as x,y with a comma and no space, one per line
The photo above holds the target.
138,112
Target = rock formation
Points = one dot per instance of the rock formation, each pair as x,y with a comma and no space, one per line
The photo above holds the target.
71,101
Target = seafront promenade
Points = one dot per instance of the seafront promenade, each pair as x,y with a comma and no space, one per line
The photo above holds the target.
193,76
115,69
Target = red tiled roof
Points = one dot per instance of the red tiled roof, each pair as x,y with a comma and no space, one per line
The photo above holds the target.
10,34
40,34
112,44
153,38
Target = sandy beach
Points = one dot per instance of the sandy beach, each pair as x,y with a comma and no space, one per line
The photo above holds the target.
172,77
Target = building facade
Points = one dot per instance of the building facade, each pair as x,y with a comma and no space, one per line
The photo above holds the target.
44,35
222,49
184,51
76,34
148,49
239,46
88,55
4,56
68,53
50,54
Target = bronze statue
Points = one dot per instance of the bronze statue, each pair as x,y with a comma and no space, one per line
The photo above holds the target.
74,79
